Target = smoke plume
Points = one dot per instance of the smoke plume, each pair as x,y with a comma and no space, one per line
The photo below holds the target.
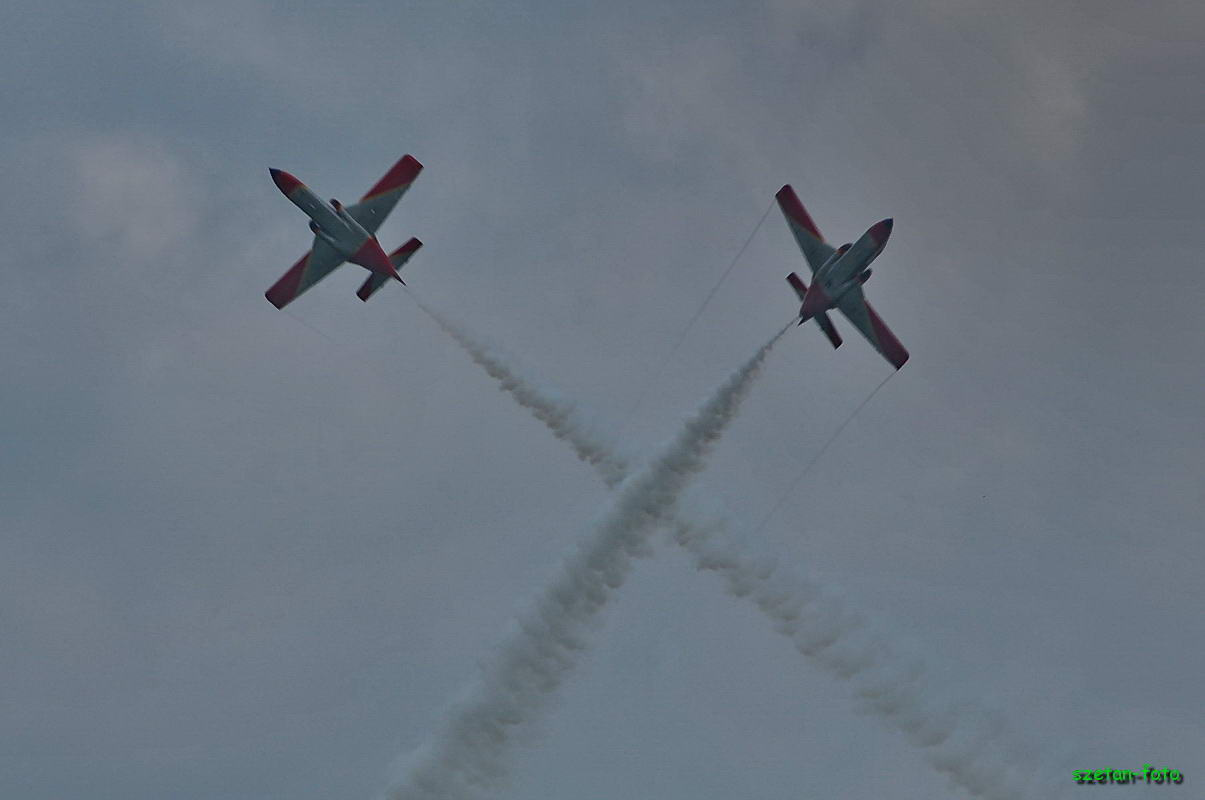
559,415
471,752
962,739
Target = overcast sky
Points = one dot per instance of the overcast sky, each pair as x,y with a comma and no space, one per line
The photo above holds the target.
255,554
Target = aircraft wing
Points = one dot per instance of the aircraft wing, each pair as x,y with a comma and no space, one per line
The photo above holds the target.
855,308
311,268
375,206
814,248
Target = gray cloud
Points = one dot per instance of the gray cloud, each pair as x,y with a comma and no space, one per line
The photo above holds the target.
239,559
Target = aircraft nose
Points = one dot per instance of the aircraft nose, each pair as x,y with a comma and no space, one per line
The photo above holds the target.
283,180
881,230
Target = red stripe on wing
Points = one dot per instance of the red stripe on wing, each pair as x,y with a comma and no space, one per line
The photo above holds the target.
788,201
402,174
891,347
284,291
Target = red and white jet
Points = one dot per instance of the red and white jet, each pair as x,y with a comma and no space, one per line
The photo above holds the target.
346,234
837,278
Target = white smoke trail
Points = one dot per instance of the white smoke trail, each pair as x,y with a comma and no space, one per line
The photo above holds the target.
470,753
559,415
962,739
970,744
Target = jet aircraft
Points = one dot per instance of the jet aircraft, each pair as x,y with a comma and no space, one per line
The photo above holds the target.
837,278
346,234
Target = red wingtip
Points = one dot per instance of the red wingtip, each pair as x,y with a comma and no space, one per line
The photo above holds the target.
284,291
895,352
284,181
788,201
401,174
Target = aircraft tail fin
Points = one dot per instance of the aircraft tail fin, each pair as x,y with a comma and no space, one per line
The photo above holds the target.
398,258
822,318
815,301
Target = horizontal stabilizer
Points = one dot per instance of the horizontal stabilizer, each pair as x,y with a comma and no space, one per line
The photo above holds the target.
370,286
801,288
830,330
401,255
398,258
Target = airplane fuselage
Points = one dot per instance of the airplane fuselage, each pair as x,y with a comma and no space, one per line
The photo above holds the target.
847,268
332,224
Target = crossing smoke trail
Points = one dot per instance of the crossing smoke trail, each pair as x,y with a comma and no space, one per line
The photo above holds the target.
961,739
470,753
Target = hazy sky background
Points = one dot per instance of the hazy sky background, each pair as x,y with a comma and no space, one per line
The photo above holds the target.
251,554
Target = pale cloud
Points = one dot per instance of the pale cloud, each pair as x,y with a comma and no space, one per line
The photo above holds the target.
1030,70
247,40
672,94
132,196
